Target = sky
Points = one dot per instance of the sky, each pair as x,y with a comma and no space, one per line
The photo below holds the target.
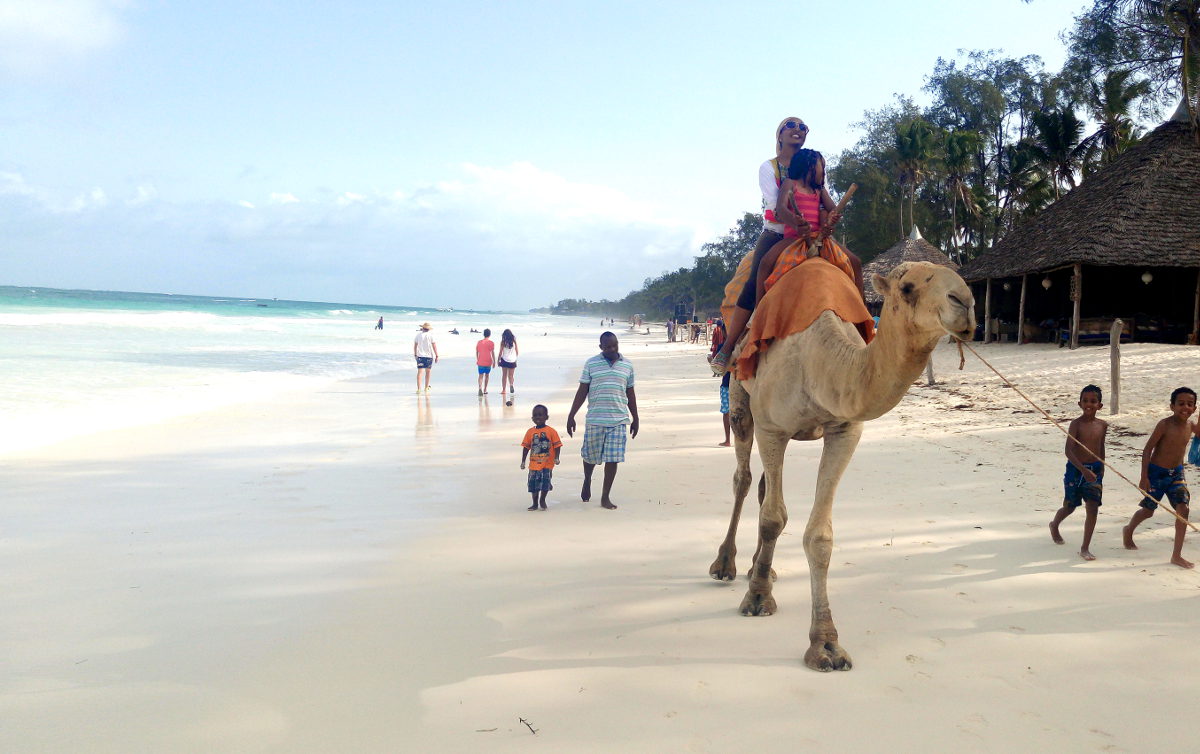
475,155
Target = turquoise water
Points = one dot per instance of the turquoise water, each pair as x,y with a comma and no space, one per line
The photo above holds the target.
78,361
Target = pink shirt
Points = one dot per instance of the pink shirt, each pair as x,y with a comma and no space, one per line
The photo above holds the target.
485,353
809,206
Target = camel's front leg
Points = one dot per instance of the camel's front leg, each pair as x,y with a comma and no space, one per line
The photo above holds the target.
772,517
742,424
824,653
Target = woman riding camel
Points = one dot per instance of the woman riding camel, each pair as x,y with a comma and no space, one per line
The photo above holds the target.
789,138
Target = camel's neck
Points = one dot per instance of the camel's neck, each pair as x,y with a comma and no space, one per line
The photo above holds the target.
890,363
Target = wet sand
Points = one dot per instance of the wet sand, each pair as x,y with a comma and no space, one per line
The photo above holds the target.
354,569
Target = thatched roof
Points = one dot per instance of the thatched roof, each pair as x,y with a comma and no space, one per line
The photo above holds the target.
912,249
1142,209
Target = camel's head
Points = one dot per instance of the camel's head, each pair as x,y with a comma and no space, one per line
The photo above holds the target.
932,297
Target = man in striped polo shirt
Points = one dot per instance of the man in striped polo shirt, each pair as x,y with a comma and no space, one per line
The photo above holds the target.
607,384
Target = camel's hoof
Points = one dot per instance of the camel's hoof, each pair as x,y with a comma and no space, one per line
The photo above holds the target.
758,604
826,656
723,568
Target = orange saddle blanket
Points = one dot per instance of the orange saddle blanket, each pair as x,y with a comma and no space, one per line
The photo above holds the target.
812,287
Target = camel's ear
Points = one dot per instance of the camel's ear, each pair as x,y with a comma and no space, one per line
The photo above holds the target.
881,284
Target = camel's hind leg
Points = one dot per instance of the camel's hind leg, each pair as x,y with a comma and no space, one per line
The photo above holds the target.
824,653
742,424
772,517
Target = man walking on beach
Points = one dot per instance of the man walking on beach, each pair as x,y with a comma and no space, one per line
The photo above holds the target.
607,384
425,352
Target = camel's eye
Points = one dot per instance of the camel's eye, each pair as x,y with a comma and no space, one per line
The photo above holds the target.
957,301
906,289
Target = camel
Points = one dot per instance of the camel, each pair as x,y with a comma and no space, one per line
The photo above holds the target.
825,382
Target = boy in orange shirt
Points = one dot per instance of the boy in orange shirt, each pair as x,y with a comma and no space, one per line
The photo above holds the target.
543,448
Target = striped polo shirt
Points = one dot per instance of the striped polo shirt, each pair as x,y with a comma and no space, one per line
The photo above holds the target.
608,405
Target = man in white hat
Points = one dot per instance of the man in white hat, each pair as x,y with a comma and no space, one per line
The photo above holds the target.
425,351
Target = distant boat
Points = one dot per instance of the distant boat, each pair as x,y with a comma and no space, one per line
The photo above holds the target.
445,308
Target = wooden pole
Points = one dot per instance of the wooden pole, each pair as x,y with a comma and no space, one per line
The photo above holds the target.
929,370
1196,313
987,312
1077,295
1114,366
1021,313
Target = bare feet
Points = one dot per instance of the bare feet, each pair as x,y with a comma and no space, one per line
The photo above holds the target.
723,444
1179,561
608,504
586,493
1127,538
1086,555
1058,540
532,507
543,506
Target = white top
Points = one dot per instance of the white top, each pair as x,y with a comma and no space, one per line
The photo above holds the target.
770,194
424,343
509,354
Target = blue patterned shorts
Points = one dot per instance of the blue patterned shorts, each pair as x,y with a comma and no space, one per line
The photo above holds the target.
1076,489
604,444
539,480
1169,482
725,399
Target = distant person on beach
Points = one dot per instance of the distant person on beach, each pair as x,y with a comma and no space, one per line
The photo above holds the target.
1162,472
725,408
718,337
485,359
789,137
425,352
1083,482
543,447
607,385
508,360
379,324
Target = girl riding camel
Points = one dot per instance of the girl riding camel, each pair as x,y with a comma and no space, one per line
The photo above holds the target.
789,138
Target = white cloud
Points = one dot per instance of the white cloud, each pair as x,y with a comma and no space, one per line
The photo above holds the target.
38,35
492,237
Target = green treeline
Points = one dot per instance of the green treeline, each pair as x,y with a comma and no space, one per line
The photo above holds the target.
1002,139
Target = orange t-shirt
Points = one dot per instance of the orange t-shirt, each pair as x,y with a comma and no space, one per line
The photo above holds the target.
483,352
541,442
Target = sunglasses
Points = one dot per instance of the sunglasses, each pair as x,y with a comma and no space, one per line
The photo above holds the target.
793,124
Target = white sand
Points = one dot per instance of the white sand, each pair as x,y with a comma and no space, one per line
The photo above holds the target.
354,570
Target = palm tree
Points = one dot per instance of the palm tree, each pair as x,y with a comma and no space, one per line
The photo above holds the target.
960,148
914,149
1057,145
1111,104
1027,184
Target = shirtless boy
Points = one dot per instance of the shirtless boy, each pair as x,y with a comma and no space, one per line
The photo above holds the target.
1162,471
1083,482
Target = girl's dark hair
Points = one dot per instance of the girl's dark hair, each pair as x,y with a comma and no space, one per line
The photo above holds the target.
507,338
803,163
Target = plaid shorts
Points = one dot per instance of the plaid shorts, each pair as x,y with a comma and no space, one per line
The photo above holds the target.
539,480
604,444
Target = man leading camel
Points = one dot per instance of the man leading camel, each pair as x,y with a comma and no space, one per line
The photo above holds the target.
607,384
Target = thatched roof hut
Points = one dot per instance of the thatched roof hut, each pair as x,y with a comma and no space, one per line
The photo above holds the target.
1135,224
912,249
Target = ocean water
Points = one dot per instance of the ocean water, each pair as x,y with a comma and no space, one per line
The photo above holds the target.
74,362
